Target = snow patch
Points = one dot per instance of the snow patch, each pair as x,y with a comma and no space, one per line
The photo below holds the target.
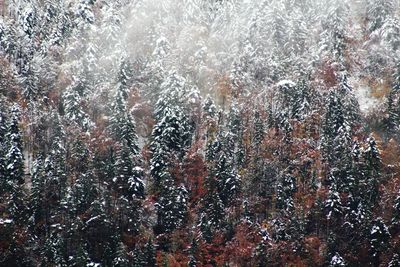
363,94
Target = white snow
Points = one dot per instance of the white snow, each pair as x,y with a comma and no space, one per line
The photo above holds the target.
286,82
6,221
365,100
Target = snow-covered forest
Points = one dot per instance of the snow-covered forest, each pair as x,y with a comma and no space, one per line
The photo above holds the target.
199,133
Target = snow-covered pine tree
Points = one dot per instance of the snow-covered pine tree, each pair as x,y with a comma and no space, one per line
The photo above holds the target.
333,204
121,257
285,192
395,261
55,164
3,146
373,166
14,156
128,178
171,205
393,110
258,131
378,238
170,137
228,181
377,12
37,196
149,253
73,102
334,119
337,261
121,122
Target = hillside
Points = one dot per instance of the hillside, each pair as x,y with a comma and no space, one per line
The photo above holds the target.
199,133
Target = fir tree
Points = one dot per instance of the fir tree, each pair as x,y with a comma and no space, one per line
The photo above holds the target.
149,254
337,261
259,131
128,177
121,257
73,102
14,156
285,192
38,197
372,171
395,261
171,206
393,110
333,205
121,122
228,181
3,148
378,237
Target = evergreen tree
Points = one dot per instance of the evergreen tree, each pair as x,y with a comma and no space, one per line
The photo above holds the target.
149,254
128,177
38,196
172,94
55,176
73,103
3,148
341,159
121,257
53,251
372,171
396,211
337,261
393,110
395,261
228,181
259,131
171,206
84,192
377,13
285,193
121,122
80,258
209,108
333,205
213,205
14,156
170,137
379,237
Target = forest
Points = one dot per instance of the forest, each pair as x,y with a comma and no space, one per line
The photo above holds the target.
199,133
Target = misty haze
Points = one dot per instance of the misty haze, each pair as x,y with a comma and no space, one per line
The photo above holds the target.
196,133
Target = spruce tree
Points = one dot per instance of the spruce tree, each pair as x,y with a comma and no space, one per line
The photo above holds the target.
373,165
14,156
228,181
38,197
171,206
378,238
149,253
285,193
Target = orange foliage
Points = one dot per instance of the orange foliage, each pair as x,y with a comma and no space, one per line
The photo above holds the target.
195,172
240,250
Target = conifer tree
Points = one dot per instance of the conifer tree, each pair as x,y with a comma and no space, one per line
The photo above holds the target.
38,197
73,102
378,237
14,156
228,181
128,178
149,253
171,205
121,258
373,166
285,192
3,148
121,122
